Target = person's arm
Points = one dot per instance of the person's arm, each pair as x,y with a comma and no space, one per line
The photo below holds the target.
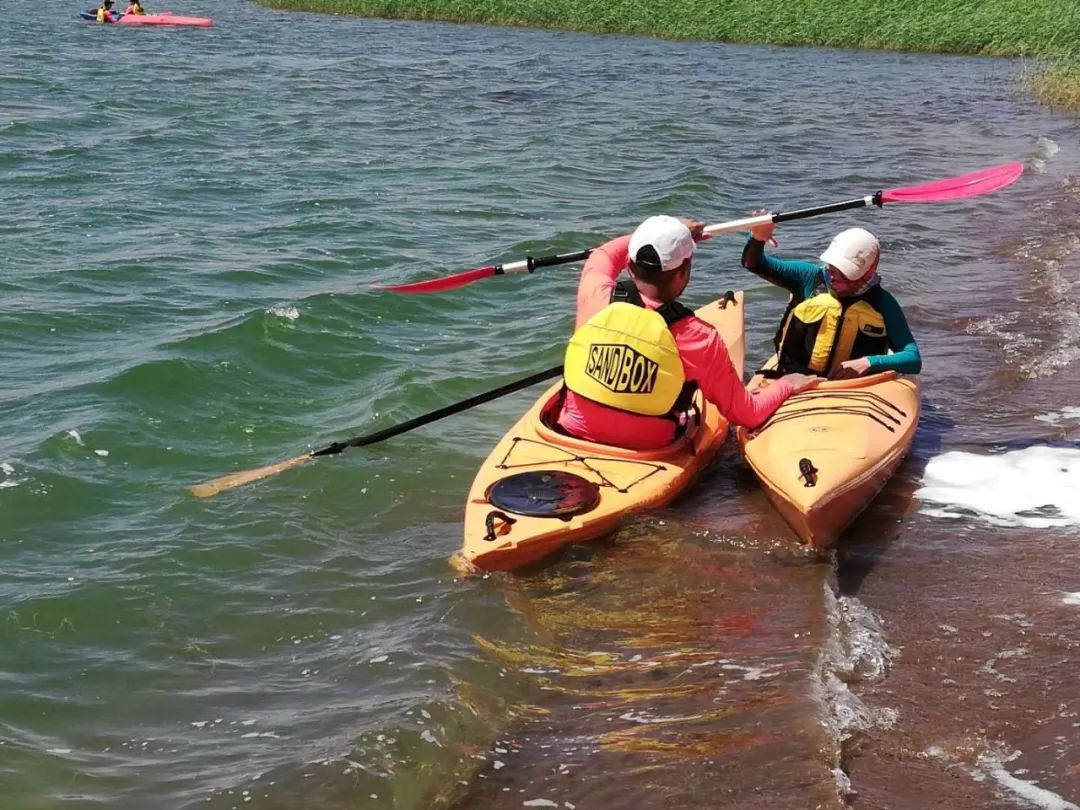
598,277
706,360
905,357
794,275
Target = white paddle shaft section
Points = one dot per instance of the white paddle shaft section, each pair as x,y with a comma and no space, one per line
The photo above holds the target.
515,267
734,225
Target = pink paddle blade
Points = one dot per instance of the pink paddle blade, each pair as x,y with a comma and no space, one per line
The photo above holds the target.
957,188
434,285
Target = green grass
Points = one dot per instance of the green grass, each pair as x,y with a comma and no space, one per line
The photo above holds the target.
1058,86
1041,29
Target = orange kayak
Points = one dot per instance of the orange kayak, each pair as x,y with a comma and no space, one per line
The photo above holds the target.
540,490
825,453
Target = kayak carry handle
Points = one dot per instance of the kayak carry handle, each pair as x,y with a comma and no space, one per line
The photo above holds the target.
809,472
489,523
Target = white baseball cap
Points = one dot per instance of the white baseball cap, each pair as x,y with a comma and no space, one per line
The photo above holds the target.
668,237
853,252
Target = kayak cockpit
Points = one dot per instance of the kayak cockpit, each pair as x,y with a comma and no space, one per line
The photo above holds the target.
547,427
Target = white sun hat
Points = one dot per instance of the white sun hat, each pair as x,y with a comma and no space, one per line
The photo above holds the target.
853,252
668,237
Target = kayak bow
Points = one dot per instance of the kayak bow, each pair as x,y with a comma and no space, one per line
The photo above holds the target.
826,452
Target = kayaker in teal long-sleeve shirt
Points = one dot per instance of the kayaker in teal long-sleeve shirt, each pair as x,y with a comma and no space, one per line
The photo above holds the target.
840,323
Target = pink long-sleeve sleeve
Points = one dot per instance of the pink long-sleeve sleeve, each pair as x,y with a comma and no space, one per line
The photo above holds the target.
599,276
706,360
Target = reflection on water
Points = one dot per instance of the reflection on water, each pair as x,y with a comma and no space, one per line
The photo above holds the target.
671,660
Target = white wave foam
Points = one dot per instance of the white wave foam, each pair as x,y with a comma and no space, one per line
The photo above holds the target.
856,650
1004,327
862,652
1038,487
1071,598
8,479
75,435
1057,417
1042,339
843,782
994,767
289,313
1045,148
849,714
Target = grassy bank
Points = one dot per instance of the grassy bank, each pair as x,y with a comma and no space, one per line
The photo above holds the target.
1041,29
1059,85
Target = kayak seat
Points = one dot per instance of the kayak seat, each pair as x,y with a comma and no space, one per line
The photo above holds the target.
549,419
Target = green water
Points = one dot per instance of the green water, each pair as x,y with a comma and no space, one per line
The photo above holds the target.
192,220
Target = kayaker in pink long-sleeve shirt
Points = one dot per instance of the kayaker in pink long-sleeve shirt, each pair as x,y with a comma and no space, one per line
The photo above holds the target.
623,377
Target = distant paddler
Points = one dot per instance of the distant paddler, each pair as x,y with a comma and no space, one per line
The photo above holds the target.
104,13
840,323
638,354
135,8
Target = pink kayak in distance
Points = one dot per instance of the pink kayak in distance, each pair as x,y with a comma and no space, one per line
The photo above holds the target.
162,18
165,18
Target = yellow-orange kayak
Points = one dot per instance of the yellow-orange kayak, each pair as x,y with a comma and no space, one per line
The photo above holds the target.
826,452
540,490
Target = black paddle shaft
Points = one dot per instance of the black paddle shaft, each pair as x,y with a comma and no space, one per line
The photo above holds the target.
559,258
448,410
533,263
804,213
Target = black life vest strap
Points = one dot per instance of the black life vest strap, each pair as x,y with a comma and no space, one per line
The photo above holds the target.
672,312
626,292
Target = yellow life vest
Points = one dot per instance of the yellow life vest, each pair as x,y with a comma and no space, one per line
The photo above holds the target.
101,12
822,332
625,357
137,9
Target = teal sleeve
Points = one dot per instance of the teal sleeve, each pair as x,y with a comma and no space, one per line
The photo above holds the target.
905,357
799,277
